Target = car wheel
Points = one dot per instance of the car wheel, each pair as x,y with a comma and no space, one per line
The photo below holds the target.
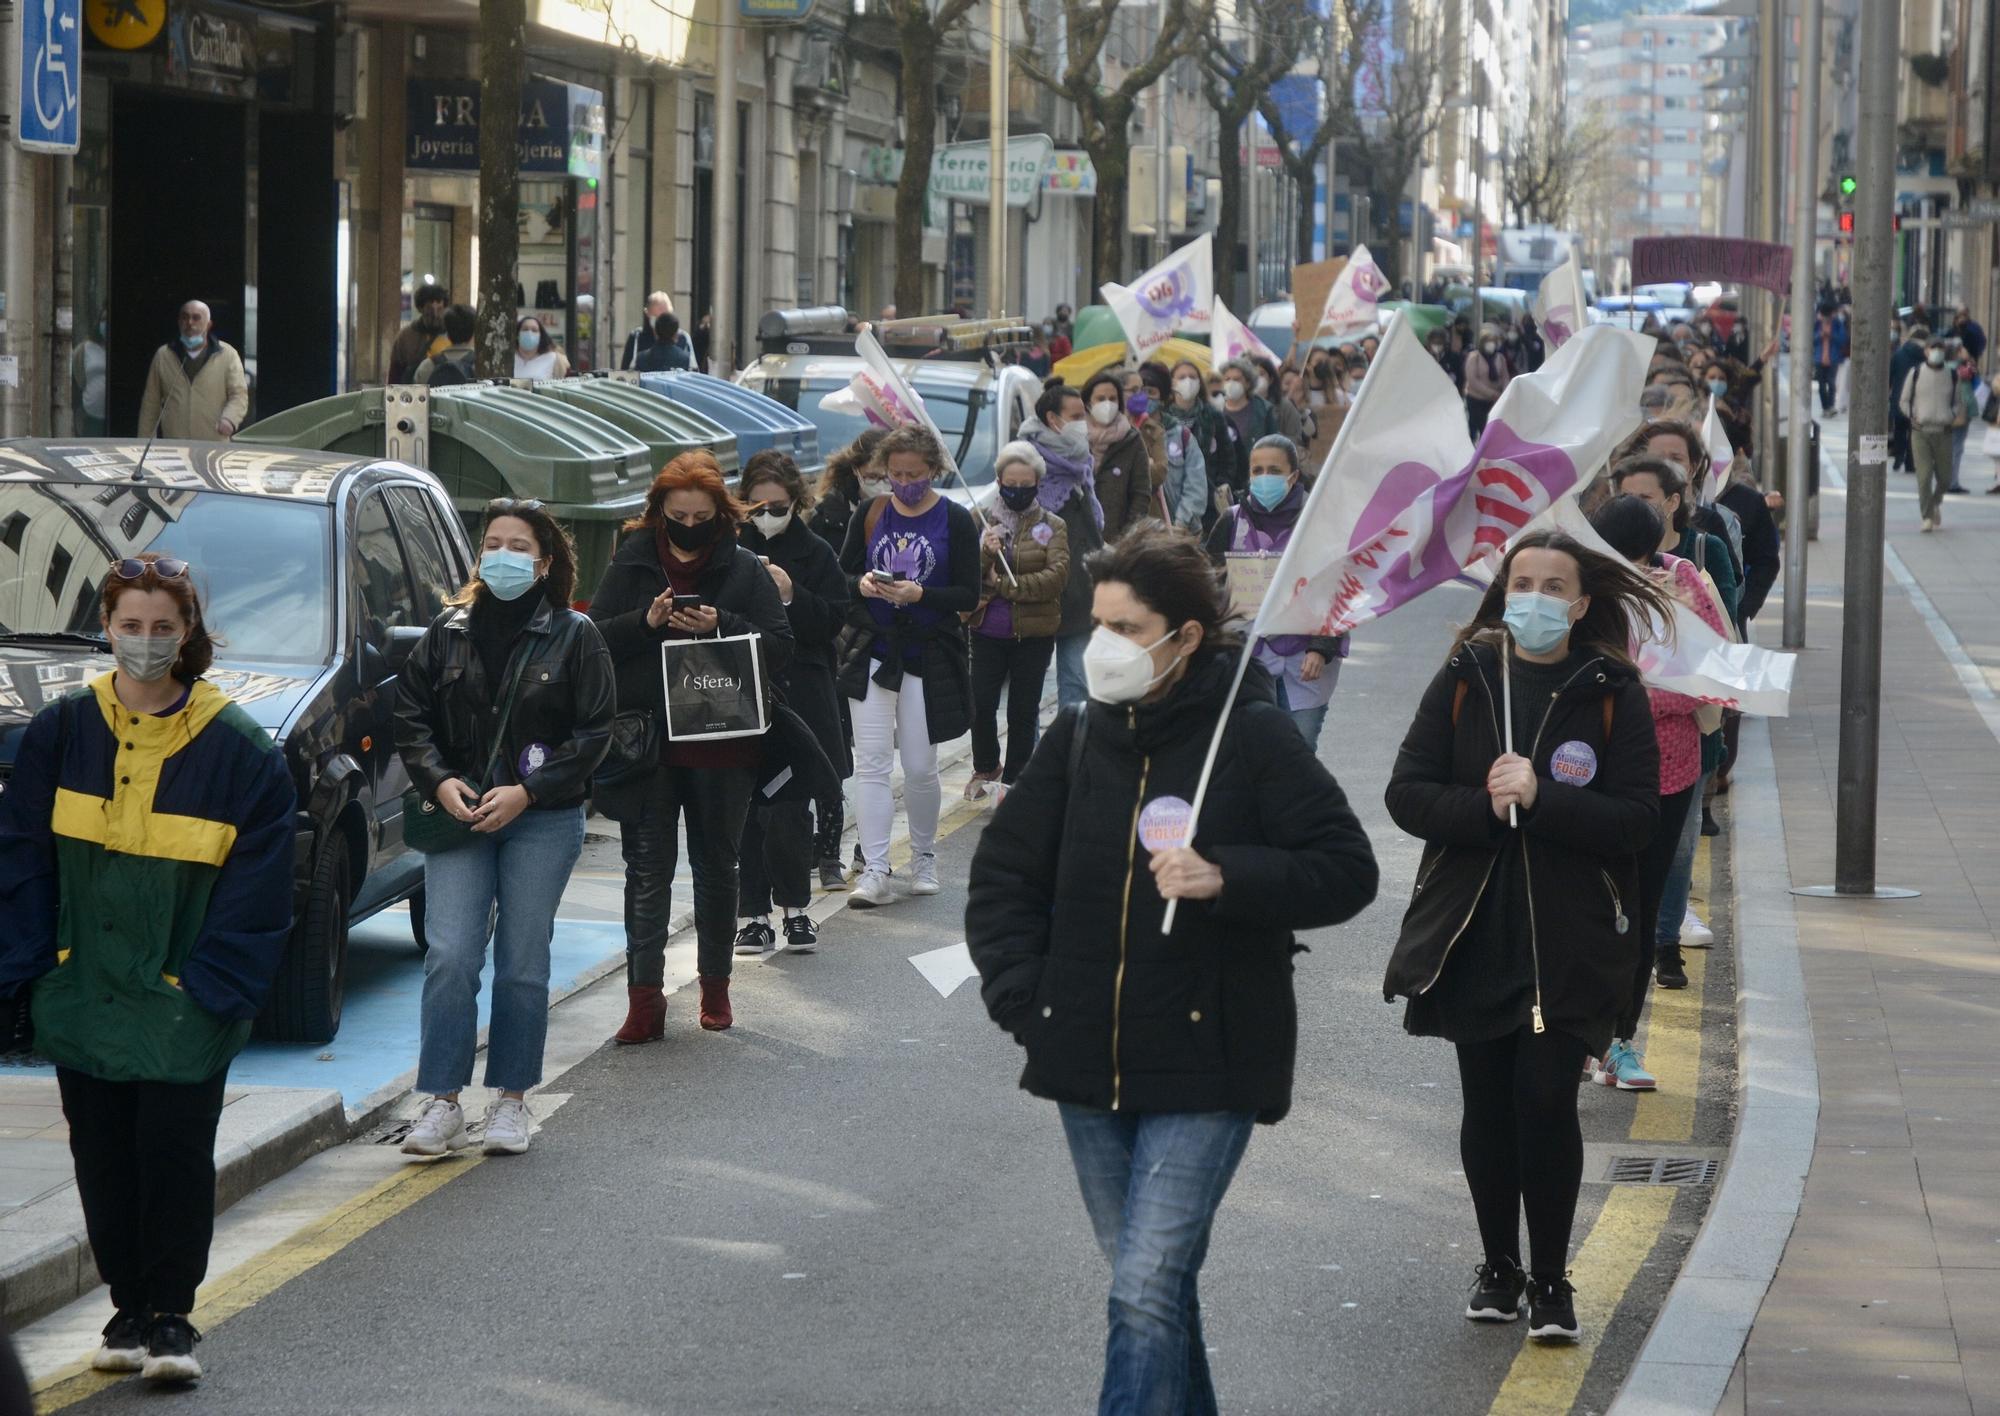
419,917
312,982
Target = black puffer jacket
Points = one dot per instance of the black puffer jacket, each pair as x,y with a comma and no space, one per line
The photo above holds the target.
1064,922
817,612
1579,843
445,708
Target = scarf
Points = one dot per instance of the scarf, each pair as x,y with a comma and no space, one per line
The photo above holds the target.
1065,477
1103,439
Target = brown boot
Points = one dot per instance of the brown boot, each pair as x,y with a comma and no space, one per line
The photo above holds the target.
715,1014
645,1015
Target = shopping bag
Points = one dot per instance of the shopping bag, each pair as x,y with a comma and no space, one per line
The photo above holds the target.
715,688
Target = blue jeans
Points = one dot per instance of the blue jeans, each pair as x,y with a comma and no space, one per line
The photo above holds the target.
1152,1184
1680,875
1309,721
1070,686
524,866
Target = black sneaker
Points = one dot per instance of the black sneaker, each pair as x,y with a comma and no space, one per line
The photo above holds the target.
124,1348
1552,1310
832,874
801,934
170,1355
1668,969
1708,826
1496,1292
756,937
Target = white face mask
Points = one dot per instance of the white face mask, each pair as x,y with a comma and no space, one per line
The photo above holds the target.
1316,398
1217,401
1936,357
1119,670
1074,438
1232,389
1104,414
872,487
1187,389
772,523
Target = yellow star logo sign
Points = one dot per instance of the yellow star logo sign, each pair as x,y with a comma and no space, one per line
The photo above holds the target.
125,24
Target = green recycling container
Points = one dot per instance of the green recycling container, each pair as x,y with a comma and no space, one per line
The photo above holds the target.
495,440
667,429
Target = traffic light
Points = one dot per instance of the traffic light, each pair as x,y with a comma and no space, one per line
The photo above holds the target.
1847,185
1847,223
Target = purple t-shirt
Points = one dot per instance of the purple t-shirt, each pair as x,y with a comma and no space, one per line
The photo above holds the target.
920,547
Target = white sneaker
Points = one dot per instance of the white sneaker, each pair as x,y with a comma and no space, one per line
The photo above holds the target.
440,1130
923,874
509,1124
1695,934
871,890
1926,524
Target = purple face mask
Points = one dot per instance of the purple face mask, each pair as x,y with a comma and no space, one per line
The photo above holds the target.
1137,403
911,493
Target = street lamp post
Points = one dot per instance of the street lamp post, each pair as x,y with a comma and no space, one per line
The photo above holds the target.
1805,229
996,122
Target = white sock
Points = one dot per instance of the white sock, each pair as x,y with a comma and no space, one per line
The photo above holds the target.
794,910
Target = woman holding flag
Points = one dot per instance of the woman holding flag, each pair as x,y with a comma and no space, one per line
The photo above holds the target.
1518,944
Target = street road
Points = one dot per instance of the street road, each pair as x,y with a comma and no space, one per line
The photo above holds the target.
846,1205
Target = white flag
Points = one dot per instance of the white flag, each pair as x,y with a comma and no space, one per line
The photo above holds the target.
1177,294
1406,501
1720,455
1561,308
1353,300
1230,338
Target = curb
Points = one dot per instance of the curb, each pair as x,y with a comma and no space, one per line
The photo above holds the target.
264,1134
1685,1367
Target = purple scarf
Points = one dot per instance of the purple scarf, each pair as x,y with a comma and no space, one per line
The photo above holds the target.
1065,475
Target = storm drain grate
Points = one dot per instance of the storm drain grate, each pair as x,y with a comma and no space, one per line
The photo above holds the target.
1662,1170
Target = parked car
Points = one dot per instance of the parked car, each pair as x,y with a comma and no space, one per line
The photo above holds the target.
319,573
1626,311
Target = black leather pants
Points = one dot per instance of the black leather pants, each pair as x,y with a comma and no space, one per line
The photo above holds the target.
713,802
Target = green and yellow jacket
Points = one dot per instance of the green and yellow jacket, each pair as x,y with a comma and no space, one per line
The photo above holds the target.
146,881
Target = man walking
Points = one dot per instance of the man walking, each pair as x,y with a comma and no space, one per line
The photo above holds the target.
422,337
1928,403
195,389
1908,356
646,335
1969,333
458,361
1829,353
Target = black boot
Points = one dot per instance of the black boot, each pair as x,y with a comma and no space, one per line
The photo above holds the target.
826,845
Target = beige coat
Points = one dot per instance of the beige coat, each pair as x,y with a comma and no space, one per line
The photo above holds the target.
186,410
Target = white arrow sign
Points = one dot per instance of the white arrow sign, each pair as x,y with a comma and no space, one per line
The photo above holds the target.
945,969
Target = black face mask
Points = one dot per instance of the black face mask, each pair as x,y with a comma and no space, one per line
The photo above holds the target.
1018,498
693,538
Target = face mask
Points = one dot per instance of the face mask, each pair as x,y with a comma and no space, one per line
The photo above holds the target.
1104,414
873,487
1437,351
1263,387
772,523
1074,439
146,658
912,493
1718,387
1187,389
1048,329
693,538
1018,498
1704,330
530,341
1217,402
1935,358
1487,346
1316,399
1513,338
508,574
1269,489
193,342
1538,622
1137,403
1116,670
1232,390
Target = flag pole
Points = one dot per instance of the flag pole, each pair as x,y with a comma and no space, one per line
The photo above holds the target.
1507,707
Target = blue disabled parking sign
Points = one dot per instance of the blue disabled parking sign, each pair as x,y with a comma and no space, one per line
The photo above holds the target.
50,65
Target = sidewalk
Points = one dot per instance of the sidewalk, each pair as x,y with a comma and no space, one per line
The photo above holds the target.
1887,1298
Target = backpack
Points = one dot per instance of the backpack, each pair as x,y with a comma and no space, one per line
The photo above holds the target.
447,369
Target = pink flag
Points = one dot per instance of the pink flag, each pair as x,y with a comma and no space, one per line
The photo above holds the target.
1720,454
1230,338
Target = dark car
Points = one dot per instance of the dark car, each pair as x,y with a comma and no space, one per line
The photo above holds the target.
319,572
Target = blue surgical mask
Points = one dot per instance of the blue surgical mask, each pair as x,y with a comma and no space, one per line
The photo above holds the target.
193,342
508,574
531,340
1538,622
1268,489
1718,387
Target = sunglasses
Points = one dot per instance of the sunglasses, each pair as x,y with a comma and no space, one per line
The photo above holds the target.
502,506
166,568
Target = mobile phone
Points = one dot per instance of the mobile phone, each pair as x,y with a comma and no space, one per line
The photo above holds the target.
685,603
887,577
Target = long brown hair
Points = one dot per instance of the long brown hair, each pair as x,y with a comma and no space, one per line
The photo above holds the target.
560,583
771,465
695,471
1624,605
843,470
199,652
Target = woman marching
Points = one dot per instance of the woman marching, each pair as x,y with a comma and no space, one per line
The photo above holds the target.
681,574
1059,431
503,711
1121,466
777,852
851,479
148,908
1024,560
1518,944
1304,670
912,559
1161,1050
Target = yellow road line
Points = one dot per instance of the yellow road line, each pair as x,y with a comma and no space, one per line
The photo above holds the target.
1673,1039
1547,1379
258,1278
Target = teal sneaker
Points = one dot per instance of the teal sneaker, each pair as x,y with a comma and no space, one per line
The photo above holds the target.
1621,1069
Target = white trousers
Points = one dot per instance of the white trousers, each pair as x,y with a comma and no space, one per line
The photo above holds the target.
882,720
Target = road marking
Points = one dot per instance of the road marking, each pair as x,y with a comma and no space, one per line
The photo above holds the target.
1547,1379
945,969
1673,1037
257,1279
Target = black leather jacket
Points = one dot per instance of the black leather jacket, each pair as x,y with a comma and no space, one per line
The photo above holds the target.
446,708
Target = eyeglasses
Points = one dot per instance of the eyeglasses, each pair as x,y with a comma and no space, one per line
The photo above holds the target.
166,568
503,506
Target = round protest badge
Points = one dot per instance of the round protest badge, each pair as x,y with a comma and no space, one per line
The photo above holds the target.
1574,763
532,758
1163,825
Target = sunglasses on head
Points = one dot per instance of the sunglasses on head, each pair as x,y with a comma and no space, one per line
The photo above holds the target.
503,506
166,567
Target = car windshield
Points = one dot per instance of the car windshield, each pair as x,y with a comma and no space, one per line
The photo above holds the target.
959,413
260,563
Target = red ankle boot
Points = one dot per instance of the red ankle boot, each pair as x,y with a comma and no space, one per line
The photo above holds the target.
645,1015
715,1014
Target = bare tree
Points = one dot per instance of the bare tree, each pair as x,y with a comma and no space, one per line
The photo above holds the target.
1552,159
503,26
1302,153
1236,79
1105,109
923,34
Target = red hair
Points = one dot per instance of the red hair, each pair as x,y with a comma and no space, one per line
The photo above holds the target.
694,471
